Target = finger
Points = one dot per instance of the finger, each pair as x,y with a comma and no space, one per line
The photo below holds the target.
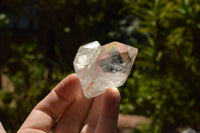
109,112
47,111
93,116
2,130
72,119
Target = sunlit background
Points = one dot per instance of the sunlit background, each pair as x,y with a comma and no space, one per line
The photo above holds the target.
39,39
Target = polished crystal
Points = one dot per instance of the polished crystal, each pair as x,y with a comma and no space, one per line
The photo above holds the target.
100,67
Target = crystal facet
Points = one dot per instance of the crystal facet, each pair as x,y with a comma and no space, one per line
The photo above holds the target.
100,67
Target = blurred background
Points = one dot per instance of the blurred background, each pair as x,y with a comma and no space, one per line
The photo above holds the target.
39,40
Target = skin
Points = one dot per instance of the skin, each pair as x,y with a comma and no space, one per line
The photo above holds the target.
67,106
2,129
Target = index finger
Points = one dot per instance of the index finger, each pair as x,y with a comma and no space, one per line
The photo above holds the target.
47,111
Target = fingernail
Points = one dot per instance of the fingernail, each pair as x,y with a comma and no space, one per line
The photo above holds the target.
84,128
114,88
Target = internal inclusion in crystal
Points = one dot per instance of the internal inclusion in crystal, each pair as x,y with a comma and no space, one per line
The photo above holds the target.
115,63
100,67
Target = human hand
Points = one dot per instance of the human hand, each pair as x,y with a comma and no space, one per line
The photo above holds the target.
67,105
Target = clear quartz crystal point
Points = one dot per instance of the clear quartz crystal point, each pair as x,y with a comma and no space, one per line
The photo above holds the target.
100,67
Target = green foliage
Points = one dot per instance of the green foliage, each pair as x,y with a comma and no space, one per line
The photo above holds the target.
3,19
166,77
147,127
27,78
